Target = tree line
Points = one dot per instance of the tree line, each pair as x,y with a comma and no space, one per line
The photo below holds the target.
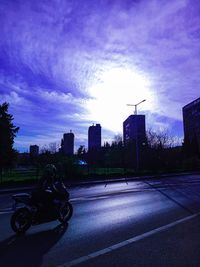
160,152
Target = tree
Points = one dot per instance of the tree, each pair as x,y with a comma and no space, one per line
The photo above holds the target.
160,140
51,148
81,151
162,152
8,132
117,140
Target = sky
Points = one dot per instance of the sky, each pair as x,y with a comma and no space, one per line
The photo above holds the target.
66,64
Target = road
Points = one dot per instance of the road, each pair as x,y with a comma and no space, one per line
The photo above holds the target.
153,222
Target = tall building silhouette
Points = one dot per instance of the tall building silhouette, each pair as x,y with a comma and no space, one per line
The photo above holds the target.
94,137
191,123
67,143
34,150
134,130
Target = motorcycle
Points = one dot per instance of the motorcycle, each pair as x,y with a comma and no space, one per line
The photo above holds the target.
33,213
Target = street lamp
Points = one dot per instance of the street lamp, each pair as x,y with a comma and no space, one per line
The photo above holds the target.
135,105
136,141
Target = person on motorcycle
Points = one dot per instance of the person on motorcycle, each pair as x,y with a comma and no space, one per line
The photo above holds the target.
48,178
49,201
43,195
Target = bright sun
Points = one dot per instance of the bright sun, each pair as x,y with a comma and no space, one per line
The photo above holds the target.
116,88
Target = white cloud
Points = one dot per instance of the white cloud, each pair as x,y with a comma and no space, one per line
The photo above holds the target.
12,98
59,97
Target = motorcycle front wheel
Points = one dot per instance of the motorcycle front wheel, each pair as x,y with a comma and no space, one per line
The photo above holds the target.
65,212
21,220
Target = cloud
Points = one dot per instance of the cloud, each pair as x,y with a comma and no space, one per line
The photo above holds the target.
12,98
54,53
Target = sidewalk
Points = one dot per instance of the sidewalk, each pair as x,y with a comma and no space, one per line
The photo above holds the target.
82,183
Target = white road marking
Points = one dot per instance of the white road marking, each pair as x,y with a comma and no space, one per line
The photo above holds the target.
127,242
6,211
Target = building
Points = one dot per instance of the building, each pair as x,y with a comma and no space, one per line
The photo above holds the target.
67,143
94,137
191,124
34,150
134,130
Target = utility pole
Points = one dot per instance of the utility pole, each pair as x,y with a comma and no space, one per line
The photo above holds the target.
136,141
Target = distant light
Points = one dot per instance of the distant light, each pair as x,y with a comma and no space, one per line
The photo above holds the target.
81,162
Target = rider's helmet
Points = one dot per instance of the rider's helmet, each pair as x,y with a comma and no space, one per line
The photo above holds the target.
50,170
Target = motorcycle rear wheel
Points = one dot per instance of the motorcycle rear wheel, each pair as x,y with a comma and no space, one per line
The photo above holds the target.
21,220
65,212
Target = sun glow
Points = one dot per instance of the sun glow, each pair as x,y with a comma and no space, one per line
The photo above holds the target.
115,89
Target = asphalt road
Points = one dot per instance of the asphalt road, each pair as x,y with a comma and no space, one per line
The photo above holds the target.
143,223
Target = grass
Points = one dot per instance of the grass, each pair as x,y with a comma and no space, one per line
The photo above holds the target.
14,177
19,176
31,175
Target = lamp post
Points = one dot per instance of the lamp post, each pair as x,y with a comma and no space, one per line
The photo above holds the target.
136,141
135,105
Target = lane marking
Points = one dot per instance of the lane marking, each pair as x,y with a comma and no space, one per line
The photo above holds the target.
5,211
126,242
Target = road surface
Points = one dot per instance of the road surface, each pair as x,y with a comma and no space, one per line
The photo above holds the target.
153,222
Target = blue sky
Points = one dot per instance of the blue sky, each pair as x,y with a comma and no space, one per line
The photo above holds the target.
65,64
